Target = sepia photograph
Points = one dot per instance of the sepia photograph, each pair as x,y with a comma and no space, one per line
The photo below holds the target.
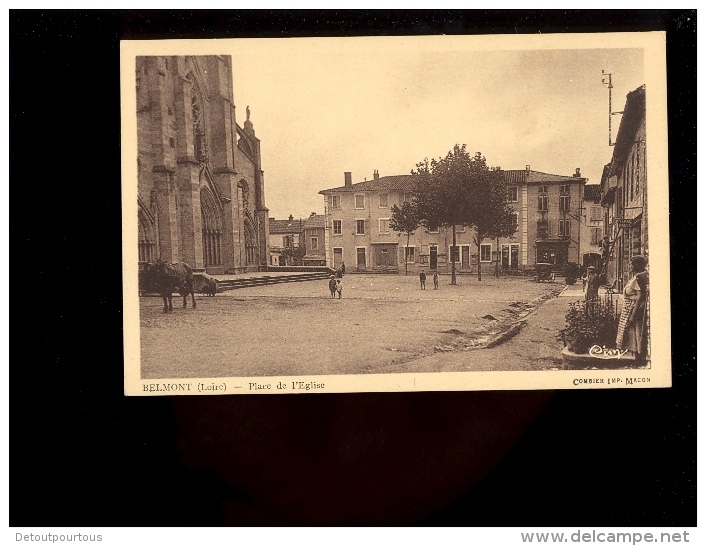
463,239
395,214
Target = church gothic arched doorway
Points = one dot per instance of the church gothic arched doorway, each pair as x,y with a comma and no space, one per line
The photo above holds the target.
145,238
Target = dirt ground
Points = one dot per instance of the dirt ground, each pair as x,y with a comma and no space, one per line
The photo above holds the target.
382,324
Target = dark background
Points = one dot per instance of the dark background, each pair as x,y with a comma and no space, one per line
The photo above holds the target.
83,454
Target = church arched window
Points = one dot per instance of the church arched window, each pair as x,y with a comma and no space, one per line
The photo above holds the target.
250,245
198,123
211,228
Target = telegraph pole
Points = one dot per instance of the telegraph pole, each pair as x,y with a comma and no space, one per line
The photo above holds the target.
608,81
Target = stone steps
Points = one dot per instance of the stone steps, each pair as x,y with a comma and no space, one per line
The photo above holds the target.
235,284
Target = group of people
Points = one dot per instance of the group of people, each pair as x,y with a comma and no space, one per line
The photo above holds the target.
591,283
335,286
334,282
632,324
423,280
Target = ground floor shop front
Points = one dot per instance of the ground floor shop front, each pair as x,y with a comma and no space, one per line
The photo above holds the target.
508,257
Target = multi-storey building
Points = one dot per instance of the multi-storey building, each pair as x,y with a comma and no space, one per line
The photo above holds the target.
201,196
286,241
548,212
624,193
298,241
592,226
549,209
314,237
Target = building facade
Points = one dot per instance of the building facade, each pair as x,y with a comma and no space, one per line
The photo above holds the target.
624,193
592,226
200,182
286,241
548,211
298,241
314,238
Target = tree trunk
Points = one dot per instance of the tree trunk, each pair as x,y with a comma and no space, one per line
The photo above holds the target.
453,249
497,257
478,242
405,254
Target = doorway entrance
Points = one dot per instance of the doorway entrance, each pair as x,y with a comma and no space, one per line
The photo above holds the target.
465,257
385,256
360,257
555,253
337,257
510,256
432,256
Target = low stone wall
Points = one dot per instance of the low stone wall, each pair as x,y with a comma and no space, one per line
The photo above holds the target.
299,268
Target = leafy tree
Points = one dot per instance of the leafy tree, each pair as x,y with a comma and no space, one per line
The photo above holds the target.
493,217
405,220
294,254
460,190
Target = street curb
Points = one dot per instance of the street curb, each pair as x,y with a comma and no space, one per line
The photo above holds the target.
507,334
518,325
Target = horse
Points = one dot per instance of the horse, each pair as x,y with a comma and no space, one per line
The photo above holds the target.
169,278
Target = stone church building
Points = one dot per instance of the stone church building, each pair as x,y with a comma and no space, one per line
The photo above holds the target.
200,182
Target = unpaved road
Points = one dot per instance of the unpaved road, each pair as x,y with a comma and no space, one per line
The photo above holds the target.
383,324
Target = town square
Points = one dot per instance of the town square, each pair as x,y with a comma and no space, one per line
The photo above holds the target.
530,255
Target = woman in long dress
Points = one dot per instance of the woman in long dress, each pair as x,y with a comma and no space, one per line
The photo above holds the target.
632,327
592,283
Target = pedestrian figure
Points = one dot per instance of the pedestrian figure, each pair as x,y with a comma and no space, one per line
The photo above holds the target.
343,269
339,288
632,326
593,281
422,280
339,273
332,286
436,280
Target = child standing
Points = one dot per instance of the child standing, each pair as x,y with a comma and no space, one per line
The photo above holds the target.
332,286
436,280
339,288
422,280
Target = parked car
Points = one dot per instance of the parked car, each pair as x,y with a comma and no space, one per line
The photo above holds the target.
544,272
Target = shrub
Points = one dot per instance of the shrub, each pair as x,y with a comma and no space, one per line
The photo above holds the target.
571,272
588,324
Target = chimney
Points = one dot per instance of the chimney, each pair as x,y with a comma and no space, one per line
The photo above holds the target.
291,217
349,179
527,168
578,172
376,175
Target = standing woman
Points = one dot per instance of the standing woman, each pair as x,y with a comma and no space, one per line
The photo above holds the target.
592,283
632,328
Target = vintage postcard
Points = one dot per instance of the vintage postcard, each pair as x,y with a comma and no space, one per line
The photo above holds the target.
308,215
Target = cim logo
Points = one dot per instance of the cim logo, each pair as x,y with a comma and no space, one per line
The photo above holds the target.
601,352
